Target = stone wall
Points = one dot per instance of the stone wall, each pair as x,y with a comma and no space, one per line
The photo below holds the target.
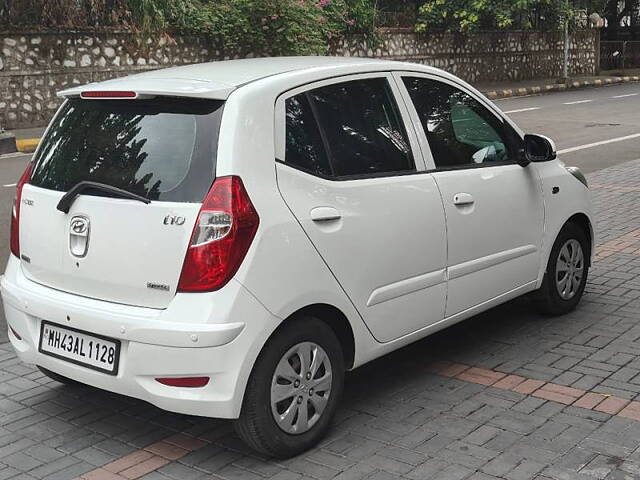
489,56
35,65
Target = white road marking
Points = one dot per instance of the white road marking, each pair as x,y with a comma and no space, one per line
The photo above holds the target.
523,110
598,144
14,155
576,103
624,96
10,185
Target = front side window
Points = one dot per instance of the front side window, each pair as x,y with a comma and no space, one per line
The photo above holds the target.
460,131
354,125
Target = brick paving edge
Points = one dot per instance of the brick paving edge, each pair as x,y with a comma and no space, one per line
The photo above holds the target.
153,457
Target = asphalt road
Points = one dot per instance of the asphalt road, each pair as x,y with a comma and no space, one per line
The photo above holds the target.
594,125
578,119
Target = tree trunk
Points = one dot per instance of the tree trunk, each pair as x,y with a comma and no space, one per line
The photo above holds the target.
633,12
611,13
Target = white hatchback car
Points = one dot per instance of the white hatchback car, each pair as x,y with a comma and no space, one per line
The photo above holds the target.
227,239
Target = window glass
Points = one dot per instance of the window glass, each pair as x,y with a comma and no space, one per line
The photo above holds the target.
362,129
162,149
304,148
461,132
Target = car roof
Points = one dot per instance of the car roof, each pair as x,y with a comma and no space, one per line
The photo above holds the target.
218,79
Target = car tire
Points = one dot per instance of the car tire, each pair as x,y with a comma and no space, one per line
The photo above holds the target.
57,377
275,391
560,293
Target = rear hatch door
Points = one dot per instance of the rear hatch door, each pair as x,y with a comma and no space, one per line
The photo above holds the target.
108,246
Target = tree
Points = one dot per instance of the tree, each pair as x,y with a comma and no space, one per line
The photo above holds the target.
63,13
615,11
471,15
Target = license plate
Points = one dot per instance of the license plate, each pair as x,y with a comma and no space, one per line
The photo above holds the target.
79,347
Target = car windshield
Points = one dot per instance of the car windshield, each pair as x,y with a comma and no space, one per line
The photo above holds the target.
161,149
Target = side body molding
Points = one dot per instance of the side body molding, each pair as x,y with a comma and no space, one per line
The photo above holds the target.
482,263
404,287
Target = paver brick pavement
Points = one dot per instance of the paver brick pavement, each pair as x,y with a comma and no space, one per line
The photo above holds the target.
507,394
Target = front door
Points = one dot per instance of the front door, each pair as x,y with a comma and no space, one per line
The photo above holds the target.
493,206
348,173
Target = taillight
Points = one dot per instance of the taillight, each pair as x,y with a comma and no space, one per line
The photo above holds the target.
223,233
15,214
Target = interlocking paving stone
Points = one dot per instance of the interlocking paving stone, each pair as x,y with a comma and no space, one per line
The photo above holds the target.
507,394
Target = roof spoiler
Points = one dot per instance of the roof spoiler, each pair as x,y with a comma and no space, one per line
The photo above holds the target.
132,88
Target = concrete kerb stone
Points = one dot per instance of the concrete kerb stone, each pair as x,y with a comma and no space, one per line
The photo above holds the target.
559,87
7,143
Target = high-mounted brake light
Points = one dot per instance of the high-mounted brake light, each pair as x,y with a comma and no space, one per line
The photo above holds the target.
109,94
223,233
15,214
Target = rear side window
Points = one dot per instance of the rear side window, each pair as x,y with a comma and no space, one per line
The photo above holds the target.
354,125
305,149
163,149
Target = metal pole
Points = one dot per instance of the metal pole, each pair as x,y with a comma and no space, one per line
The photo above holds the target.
565,69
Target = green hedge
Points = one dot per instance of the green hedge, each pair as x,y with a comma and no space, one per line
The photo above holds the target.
273,27
466,16
265,27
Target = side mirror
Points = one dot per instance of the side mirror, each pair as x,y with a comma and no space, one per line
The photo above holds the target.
538,148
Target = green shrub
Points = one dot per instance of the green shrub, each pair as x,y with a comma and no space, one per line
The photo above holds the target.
59,14
240,27
274,27
269,27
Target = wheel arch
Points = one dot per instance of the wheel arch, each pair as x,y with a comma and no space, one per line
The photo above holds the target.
577,217
335,319
582,221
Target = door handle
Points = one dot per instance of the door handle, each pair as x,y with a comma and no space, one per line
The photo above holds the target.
461,199
324,214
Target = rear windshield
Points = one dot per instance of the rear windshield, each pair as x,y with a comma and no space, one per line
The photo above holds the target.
163,148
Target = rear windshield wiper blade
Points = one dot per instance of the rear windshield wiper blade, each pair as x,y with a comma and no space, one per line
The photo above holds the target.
68,198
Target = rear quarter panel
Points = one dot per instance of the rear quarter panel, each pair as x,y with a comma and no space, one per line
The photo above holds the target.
282,268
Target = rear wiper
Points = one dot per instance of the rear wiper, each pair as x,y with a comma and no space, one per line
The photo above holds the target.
68,198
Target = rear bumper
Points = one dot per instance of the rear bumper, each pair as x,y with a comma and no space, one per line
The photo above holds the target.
217,334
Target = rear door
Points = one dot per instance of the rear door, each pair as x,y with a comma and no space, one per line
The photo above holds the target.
493,206
351,173
118,249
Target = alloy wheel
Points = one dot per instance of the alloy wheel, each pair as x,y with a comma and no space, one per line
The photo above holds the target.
569,269
300,387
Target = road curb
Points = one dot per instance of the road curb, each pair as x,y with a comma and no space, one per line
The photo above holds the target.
558,87
27,145
7,143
